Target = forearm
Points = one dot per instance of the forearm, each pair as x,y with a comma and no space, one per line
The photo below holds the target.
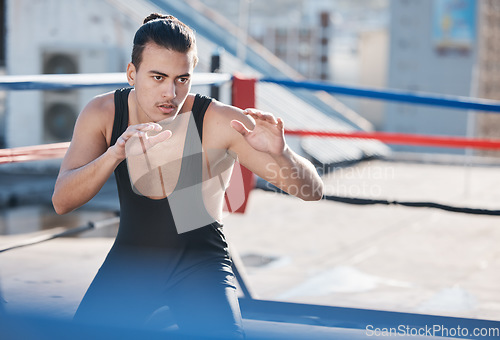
297,176
75,187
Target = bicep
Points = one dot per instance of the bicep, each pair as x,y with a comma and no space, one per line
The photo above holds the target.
260,163
89,139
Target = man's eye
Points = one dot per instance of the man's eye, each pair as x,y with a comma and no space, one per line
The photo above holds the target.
158,77
183,80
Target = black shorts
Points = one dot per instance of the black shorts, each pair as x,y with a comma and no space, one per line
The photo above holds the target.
153,289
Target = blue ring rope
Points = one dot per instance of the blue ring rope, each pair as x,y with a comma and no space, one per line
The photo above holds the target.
457,102
72,81
85,80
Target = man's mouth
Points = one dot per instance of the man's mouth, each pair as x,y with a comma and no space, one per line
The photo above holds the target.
167,108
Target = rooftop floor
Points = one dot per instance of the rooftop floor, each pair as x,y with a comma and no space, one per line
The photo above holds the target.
417,260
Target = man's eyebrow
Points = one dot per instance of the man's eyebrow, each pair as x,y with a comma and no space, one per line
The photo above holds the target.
159,73
185,75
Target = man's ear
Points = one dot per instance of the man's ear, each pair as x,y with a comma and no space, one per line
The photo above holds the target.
131,72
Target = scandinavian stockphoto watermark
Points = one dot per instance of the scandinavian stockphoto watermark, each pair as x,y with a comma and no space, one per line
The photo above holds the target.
432,331
360,181
364,181
193,180
276,175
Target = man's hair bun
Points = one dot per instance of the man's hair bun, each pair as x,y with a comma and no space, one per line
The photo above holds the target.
154,16
165,31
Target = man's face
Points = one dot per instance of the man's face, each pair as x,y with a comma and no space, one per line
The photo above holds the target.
162,82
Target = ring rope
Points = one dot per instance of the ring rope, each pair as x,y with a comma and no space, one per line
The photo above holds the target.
407,139
456,102
82,80
33,153
68,232
370,201
58,150
366,201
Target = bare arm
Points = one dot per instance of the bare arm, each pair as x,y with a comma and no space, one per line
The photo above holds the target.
90,160
261,147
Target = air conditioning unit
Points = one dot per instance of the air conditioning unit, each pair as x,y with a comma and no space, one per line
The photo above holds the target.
60,107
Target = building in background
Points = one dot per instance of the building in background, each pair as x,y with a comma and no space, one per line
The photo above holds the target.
296,31
433,48
437,46
2,71
488,85
55,37
344,41
307,34
98,40
94,36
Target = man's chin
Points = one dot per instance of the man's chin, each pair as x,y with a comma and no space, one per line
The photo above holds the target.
168,118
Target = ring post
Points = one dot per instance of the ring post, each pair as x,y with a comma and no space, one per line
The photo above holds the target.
243,96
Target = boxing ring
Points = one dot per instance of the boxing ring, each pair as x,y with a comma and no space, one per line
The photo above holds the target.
332,322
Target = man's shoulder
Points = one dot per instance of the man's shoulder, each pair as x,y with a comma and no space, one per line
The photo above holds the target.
218,124
220,112
103,103
98,114
215,110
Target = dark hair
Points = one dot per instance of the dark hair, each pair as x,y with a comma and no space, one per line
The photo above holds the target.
166,31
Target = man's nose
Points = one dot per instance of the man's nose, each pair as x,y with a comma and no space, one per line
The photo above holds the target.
168,91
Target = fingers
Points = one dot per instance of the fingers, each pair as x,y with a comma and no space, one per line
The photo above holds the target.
266,117
281,125
161,137
139,130
240,127
262,116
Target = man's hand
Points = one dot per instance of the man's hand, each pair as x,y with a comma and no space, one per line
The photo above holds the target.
268,134
138,141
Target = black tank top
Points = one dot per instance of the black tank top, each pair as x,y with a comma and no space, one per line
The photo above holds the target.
147,222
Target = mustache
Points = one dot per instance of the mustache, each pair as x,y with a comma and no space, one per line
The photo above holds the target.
168,104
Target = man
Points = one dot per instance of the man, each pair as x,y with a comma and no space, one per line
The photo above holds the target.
152,263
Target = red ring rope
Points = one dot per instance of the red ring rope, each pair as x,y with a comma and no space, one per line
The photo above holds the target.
33,153
407,139
58,150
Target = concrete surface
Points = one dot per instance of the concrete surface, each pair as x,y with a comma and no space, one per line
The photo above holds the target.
416,260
